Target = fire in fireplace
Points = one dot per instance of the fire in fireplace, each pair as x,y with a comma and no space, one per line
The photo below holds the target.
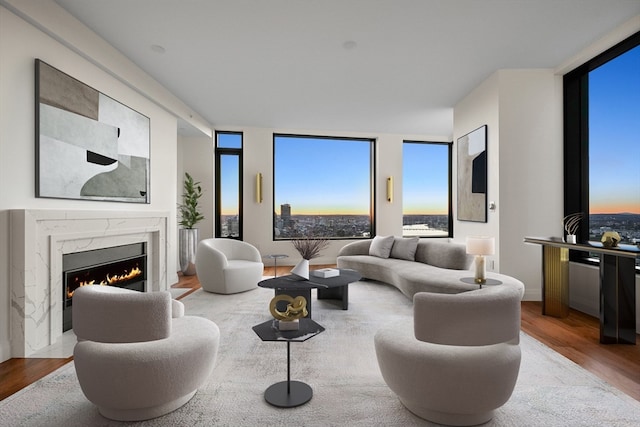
122,266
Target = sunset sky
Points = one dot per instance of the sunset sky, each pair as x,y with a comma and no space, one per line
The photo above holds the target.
614,135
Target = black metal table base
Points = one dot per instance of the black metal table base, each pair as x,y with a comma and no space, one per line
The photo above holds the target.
288,394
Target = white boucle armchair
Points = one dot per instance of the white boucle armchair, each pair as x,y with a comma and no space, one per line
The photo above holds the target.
228,266
137,356
462,358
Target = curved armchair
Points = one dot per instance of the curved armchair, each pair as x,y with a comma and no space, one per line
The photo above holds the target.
137,356
227,266
462,359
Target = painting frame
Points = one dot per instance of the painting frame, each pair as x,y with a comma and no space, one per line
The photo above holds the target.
88,146
472,176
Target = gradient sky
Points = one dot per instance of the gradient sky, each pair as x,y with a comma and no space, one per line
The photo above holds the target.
425,179
322,175
614,135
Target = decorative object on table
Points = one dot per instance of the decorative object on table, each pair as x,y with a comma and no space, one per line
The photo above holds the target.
289,319
88,145
571,223
480,246
325,273
189,217
610,239
308,249
472,176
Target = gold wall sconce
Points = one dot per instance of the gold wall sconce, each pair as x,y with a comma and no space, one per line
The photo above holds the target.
259,188
390,189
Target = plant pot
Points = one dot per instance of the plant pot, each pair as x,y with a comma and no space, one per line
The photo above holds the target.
187,245
301,269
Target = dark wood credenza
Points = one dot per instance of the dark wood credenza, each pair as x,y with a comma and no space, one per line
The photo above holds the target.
617,285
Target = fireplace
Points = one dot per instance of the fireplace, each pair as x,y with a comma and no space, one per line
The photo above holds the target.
40,239
122,266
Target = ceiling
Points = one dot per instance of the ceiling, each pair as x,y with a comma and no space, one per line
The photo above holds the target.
373,66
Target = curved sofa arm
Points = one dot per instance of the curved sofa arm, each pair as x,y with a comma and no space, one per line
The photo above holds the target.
361,247
115,315
482,317
247,252
211,256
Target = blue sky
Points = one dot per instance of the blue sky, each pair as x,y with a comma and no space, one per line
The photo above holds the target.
614,135
323,176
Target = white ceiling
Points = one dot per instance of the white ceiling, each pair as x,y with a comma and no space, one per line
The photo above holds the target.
289,64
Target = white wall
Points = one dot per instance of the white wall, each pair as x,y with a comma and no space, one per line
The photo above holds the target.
196,157
20,44
523,111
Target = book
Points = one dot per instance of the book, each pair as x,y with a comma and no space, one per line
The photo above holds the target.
325,273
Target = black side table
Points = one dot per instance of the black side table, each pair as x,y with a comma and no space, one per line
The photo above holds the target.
288,394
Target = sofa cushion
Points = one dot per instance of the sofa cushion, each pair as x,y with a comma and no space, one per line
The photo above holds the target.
404,248
381,246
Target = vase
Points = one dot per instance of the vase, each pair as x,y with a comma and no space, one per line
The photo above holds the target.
301,269
571,238
187,244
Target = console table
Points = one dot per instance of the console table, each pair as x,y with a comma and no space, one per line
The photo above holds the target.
617,285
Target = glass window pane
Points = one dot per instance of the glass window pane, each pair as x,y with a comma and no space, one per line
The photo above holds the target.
229,140
322,187
425,189
614,148
229,195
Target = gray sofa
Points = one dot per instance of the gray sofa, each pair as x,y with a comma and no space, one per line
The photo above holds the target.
436,265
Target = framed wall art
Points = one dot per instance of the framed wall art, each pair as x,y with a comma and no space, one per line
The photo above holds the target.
88,146
472,176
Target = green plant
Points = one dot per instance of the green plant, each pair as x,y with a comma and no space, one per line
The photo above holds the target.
189,214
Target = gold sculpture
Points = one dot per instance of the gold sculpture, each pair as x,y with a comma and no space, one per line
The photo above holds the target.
610,239
296,308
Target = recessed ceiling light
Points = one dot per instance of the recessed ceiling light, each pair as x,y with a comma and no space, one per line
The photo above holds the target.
349,45
158,49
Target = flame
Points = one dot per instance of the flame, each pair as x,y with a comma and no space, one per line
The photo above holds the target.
109,281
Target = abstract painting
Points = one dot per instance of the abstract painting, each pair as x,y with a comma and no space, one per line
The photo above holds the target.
472,176
88,146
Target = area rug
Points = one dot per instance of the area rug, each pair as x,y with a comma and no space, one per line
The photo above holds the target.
339,364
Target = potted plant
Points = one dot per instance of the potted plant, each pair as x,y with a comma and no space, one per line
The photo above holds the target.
308,249
189,217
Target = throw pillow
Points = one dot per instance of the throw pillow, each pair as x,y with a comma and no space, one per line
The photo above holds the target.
381,246
405,248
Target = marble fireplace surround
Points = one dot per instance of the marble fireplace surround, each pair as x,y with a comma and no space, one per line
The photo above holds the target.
39,238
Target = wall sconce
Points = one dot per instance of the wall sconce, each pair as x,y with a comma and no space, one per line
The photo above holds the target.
259,188
390,189
480,246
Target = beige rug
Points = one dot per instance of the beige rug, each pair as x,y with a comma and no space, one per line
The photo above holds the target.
339,364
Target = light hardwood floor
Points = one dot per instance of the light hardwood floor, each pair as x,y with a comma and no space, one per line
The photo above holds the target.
575,337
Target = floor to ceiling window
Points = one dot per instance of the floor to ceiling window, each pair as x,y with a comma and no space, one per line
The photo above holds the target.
228,164
602,143
323,187
426,189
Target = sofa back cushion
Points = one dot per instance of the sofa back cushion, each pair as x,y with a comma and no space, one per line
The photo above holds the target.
381,246
443,254
404,248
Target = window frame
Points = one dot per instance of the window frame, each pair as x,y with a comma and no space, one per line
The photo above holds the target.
449,184
218,153
576,140
372,182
